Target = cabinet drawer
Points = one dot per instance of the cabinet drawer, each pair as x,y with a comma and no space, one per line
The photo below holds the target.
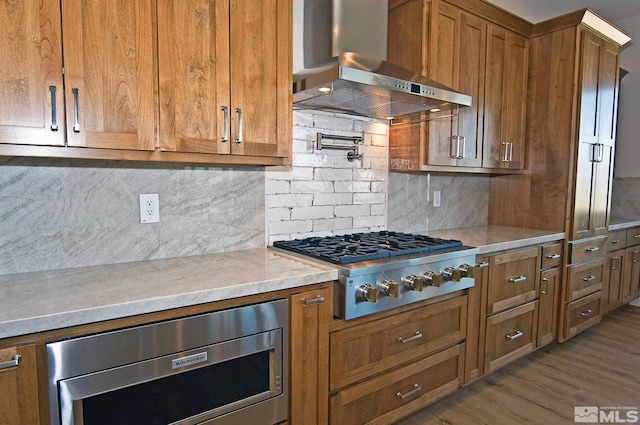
582,314
633,236
510,335
551,256
616,240
587,249
371,348
513,279
389,397
584,279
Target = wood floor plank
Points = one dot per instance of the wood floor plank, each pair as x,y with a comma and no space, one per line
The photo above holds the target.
600,367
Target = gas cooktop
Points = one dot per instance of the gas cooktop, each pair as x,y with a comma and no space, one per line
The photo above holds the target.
357,247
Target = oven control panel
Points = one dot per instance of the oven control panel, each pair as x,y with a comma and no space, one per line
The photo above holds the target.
360,294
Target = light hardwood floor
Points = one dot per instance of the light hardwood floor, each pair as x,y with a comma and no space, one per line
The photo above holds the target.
600,367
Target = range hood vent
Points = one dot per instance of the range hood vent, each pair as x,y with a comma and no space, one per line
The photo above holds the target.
340,64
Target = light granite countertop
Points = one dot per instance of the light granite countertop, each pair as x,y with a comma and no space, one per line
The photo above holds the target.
624,224
40,301
498,238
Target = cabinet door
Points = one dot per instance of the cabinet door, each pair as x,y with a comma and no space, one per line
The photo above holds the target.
612,291
193,59
32,98
110,77
18,386
457,51
261,77
311,313
504,101
548,307
631,279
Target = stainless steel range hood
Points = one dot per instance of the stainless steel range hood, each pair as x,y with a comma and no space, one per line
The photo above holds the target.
340,49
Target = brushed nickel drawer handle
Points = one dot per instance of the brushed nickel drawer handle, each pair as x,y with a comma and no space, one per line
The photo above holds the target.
592,249
617,240
587,313
636,236
317,300
516,335
418,335
76,110
588,278
518,279
11,363
483,264
415,389
553,256
54,111
225,124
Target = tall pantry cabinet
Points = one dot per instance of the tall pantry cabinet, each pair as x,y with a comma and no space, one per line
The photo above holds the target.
571,120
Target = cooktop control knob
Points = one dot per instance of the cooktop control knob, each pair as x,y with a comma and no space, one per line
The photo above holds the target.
367,293
449,273
465,270
413,283
433,278
390,288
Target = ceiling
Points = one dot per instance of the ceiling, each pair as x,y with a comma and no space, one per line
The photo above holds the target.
540,10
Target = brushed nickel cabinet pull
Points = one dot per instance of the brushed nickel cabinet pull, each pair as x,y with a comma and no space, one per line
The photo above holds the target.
417,335
464,147
76,110
483,264
617,240
636,236
516,335
518,279
455,154
636,256
11,363
225,124
592,249
415,389
587,313
317,300
546,282
588,278
553,256
54,109
239,112
505,154
510,151
615,263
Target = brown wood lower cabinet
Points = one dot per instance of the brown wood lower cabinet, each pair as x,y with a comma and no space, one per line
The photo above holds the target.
389,397
384,368
18,386
582,314
548,307
510,335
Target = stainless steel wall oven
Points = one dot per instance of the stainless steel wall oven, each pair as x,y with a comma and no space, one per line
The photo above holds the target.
226,367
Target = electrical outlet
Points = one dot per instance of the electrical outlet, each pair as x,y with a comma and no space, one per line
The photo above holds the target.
149,208
436,198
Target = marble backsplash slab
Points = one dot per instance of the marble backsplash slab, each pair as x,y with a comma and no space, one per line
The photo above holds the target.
464,201
625,199
63,213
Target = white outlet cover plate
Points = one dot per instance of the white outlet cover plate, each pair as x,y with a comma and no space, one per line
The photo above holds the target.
149,208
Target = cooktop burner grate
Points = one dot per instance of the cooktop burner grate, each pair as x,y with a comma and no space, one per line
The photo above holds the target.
353,248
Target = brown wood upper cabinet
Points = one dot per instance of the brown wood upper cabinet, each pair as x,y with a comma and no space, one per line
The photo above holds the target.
210,77
223,76
472,55
505,99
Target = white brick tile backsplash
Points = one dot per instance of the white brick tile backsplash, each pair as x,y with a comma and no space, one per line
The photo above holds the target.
352,210
277,186
311,186
369,198
333,174
327,193
332,224
297,200
344,198
303,213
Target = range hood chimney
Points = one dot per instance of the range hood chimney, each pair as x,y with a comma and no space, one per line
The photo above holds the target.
340,51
